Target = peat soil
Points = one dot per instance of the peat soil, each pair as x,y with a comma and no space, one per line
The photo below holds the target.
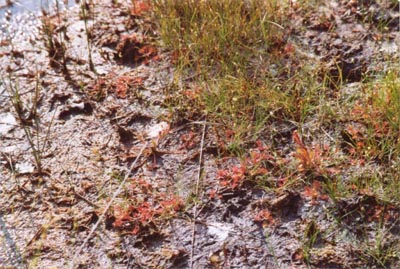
107,127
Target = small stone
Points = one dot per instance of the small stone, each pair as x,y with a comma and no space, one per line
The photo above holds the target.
7,123
24,168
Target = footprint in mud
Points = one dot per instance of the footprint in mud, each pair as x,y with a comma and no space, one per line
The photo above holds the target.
128,127
76,109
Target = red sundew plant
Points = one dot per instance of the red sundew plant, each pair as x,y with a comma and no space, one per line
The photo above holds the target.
357,138
311,159
189,140
313,192
233,178
122,87
147,207
148,53
124,84
258,159
171,205
122,216
253,165
139,7
146,214
265,217
213,194
379,113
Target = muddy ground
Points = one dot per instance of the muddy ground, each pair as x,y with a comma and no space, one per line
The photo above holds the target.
110,126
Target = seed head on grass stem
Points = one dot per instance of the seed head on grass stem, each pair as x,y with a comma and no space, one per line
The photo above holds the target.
85,8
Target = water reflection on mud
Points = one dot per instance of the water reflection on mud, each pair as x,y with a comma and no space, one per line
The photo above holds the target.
19,18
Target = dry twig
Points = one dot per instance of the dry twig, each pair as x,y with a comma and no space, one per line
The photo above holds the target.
72,264
196,194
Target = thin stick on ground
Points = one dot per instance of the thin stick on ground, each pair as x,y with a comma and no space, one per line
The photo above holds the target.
196,194
72,264
13,253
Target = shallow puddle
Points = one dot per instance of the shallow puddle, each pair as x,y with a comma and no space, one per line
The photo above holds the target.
32,6
21,17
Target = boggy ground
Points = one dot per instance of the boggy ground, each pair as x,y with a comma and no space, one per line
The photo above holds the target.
113,161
